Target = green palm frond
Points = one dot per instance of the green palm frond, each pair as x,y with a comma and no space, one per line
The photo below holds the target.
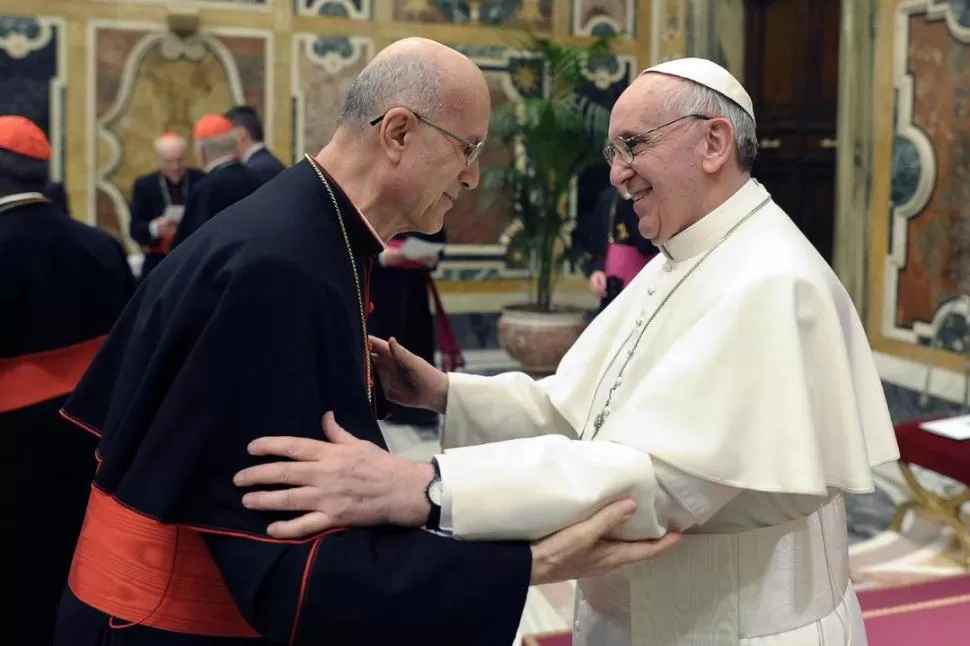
558,139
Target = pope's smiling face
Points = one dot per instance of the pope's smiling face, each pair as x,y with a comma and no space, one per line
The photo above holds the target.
671,165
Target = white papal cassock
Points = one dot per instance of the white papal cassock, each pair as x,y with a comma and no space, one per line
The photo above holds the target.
744,402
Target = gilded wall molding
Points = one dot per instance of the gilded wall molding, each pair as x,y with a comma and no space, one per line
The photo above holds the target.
90,156
236,5
854,157
920,238
109,123
352,9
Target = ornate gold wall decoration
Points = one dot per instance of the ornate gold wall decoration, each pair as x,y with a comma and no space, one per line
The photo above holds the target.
532,14
592,17
257,5
297,89
324,67
921,200
353,9
151,81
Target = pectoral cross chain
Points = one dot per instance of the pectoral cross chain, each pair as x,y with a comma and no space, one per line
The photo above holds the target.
605,413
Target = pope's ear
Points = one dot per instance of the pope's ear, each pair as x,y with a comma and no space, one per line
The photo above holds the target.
718,144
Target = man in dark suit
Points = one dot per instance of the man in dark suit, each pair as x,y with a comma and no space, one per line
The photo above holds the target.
611,228
252,150
226,179
156,199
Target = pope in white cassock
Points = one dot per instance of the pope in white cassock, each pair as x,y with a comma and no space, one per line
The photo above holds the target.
730,390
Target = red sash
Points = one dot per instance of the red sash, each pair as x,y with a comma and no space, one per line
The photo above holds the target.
451,355
33,378
144,572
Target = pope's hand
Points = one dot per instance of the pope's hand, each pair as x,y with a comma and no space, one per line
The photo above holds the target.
345,482
406,378
581,551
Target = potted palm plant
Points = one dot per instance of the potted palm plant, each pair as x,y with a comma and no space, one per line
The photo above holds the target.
554,141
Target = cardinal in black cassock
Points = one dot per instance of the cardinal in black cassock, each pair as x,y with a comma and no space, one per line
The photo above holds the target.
254,326
226,180
62,286
612,223
153,194
400,294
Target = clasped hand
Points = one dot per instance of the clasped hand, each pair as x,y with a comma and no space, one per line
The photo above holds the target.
340,483
347,482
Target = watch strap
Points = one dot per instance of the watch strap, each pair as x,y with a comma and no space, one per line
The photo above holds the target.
434,516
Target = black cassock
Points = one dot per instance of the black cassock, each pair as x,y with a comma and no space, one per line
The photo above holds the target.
402,309
219,189
252,327
611,221
150,195
62,286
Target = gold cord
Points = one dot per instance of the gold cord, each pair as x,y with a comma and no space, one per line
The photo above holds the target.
353,266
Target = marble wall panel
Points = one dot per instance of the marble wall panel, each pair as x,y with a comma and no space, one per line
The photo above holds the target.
354,9
928,264
600,17
534,14
32,77
148,81
323,70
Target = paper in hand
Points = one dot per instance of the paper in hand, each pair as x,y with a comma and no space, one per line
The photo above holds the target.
416,248
173,213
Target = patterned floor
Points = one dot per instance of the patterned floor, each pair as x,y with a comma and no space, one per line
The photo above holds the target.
878,557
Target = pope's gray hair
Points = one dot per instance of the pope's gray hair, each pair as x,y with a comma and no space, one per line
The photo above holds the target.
693,98
406,80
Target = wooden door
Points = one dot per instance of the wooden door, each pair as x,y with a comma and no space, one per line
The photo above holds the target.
792,74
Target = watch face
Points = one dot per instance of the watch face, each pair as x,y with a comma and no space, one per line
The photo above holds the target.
434,492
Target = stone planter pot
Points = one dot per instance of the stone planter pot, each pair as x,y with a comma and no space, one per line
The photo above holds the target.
538,340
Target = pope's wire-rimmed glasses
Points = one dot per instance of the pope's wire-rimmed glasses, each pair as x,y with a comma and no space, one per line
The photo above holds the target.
625,146
472,149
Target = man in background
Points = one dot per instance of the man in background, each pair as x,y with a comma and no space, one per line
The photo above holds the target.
54,191
252,150
614,248
62,286
226,179
158,200
400,293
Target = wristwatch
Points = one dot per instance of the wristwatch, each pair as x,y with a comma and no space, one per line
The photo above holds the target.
433,493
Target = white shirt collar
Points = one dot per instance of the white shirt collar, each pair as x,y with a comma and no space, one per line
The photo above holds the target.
698,238
255,148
